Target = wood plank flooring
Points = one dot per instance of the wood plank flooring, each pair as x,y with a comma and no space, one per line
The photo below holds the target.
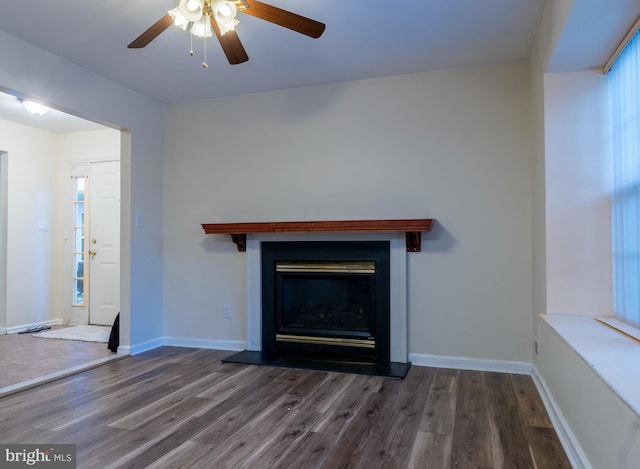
175,407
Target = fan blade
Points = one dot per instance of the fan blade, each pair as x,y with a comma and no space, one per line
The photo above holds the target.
231,45
151,33
284,18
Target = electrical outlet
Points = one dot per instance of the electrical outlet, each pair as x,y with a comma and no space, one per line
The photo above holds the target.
536,348
227,312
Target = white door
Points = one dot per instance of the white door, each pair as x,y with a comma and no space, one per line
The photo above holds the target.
104,242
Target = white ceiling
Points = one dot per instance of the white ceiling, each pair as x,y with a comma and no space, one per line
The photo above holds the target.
592,32
363,39
54,121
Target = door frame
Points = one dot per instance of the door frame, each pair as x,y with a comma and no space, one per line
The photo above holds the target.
77,314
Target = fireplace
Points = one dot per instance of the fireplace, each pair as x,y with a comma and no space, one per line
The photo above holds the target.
262,349
327,299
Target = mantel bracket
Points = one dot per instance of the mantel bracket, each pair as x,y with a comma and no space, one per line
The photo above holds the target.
240,240
414,241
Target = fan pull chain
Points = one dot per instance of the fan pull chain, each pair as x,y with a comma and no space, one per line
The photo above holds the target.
191,45
204,63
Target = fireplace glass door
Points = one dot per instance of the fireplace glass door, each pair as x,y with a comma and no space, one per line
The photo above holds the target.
326,303
329,299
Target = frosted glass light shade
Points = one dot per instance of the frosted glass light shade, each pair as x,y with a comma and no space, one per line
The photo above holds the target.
202,27
192,10
34,108
178,18
225,15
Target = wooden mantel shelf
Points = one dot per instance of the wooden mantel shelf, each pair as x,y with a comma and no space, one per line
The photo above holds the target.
238,231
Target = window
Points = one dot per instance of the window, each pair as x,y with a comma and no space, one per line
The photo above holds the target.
79,229
624,86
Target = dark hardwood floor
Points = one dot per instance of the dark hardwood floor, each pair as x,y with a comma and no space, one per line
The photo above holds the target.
175,407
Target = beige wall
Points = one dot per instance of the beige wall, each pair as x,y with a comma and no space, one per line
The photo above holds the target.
32,255
578,194
452,145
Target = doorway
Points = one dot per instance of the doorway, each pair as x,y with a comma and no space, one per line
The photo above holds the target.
34,207
94,251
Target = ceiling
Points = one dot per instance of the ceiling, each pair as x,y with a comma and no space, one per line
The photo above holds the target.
593,30
363,39
54,121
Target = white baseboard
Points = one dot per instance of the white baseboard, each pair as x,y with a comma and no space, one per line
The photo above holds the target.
231,345
476,364
569,442
3,330
22,327
140,348
124,350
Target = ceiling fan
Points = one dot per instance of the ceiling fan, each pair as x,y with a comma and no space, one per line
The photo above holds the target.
206,17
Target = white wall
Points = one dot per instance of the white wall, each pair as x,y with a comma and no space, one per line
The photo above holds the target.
94,145
67,87
578,188
451,145
32,255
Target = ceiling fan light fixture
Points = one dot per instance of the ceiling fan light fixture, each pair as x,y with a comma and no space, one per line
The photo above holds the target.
225,15
202,27
188,15
192,10
178,18
193,5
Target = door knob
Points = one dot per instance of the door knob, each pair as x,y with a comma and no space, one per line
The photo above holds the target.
93,252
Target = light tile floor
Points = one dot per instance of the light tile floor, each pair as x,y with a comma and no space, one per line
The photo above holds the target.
25,360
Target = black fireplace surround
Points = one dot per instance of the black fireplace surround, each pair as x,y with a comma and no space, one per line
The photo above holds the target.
326,299
326,306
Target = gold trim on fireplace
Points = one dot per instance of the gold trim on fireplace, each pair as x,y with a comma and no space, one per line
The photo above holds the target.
354,267
307,339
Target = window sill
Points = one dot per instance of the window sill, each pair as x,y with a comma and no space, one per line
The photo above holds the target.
620,327
612,354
